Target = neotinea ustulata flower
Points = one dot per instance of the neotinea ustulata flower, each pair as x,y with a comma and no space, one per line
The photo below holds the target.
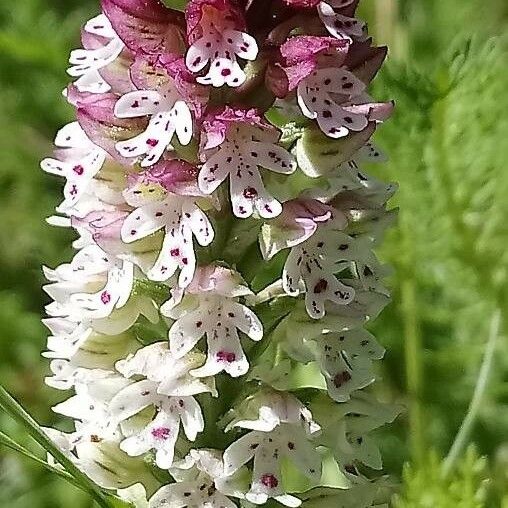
212,321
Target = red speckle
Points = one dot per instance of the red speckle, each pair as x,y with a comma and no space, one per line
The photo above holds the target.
226,356
175,252
105,297
79,170
270,481
321,286
185,261
152,142
341,378
225,72
250,193
74,190
161,433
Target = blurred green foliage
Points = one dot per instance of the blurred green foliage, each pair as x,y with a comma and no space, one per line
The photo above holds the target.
425,487
448,148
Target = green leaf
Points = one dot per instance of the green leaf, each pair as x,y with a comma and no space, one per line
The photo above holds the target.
13,409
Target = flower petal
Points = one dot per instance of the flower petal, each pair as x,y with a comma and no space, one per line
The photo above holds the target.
145,25
138,103
185,333
132,399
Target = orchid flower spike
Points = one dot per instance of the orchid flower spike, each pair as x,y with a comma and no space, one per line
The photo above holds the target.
211,323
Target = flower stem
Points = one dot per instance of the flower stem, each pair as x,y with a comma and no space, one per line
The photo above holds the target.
18,414
13,445
413,361
462,437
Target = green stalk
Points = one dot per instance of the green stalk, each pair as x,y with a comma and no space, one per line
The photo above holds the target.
462,437
18,414
13,445
413,359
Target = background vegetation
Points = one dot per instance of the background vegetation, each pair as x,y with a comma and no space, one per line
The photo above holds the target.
448,146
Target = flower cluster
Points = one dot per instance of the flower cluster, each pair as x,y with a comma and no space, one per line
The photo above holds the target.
212,321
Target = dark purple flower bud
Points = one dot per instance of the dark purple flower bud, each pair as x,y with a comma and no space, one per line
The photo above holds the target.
299,57
146,25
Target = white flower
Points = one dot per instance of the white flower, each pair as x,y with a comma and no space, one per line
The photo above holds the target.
182,220
109,309
210,308
272,409
76,347
345,359
340,26
88,271
157,363
89,406
79,161
67,337
283,429
113,295
161,433
346,428
239,152
65,374
169,388
268,449
200,483
169,115
324,96
315,262
220,47
98,196
87,63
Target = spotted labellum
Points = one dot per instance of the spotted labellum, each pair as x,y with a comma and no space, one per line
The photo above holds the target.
211,326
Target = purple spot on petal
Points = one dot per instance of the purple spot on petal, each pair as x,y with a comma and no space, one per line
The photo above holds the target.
250,193
226,356
341,378
270,481
321,286
162,433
